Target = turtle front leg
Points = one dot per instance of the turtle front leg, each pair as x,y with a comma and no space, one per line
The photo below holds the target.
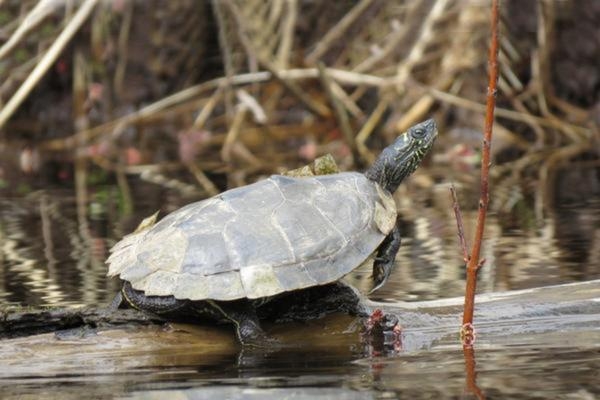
386,254
243,315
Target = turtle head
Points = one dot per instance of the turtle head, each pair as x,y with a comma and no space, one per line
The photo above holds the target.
401,158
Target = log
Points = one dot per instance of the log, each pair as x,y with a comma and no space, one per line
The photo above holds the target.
18,322
129,341
556,303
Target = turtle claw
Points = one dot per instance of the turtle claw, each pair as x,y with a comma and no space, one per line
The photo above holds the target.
381,271
383,332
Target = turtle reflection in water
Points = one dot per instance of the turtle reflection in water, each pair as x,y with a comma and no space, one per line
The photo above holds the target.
278,244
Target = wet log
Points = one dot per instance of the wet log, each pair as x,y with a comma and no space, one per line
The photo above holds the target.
127,342
497,313
562,321
18,322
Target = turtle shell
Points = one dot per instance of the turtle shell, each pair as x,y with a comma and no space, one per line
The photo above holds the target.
276,235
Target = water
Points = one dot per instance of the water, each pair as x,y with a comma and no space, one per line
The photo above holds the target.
531,346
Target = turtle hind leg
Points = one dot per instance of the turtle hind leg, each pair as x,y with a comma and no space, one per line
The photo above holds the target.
386,254
314,303
342,297
159,305
243,315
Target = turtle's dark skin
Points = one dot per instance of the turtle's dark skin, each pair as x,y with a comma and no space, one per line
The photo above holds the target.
275,249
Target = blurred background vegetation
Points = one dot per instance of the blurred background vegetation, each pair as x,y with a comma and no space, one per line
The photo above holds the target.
111,109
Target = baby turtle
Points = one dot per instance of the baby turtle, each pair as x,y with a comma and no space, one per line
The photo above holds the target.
280,238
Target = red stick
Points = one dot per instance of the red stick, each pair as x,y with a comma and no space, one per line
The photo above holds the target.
459,225
474,262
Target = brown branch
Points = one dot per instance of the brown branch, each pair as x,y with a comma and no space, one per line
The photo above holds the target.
338,110
295,90
459,225
82,14
474,263
338,31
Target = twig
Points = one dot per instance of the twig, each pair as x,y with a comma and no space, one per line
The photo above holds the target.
253,105
233,133
345,77
313,105
265,34
122,48
368,127
505,113
337,31
474,262
453,61
157,178
338,109
287,34
346,100
42,9
226,54
423,40
392,42
414,113
295,90
208,109
202,179
46,61
124,188
459,225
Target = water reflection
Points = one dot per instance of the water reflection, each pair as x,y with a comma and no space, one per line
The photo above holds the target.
429,264
532,353
551,352
46,260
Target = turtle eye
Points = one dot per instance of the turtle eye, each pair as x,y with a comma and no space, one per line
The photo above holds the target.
418,133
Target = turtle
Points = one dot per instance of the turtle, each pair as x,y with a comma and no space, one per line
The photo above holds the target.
241,254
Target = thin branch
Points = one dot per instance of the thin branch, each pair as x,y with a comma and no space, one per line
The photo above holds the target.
202,179
418,49
123,52
287,34
474,262
34,18
338,109
449,98
341,76
233,133
335,33
368,128
313,105
49,58
226,54
459,225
